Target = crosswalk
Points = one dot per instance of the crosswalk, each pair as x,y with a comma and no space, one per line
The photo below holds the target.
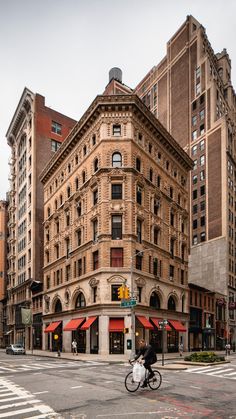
16,402
221,371
34,366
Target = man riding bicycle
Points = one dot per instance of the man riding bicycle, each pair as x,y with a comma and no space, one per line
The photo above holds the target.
149,357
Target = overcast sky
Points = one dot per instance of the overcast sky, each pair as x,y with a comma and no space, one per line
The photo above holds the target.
64,49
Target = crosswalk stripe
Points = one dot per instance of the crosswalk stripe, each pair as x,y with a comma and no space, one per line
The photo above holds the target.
211,370
219,371
8,406
26,396
18,412
5,394
231,373
198,369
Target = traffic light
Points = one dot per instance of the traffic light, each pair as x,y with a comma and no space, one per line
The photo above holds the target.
121,292
126,293
126,330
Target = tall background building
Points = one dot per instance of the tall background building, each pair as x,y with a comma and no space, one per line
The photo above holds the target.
191,93
34,134
3,270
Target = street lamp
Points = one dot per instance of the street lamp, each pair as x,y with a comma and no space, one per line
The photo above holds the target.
132,296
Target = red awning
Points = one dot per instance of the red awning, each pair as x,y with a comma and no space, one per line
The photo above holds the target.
88,323
73,324
156,322
145,322
177,326
52,327
116,325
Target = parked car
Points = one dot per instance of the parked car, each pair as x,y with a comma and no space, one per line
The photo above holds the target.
15,349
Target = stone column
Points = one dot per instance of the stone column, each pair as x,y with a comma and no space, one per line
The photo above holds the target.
103,335
88,341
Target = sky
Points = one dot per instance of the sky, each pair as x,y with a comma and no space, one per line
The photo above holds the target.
64,49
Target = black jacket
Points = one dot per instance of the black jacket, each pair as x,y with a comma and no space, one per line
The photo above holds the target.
148,354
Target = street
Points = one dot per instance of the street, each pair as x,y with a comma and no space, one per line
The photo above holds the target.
40,387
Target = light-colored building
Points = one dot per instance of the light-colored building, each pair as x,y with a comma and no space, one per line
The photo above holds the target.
191,93
115,201
3,269
34,134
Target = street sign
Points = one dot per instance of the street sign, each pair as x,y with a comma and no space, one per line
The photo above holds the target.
164,322
128,303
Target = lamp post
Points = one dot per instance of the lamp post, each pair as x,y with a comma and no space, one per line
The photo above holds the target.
132,311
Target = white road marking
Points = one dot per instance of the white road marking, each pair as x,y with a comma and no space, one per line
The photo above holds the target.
231,373
107,382
8,406
41,392
198,369
199,388
219,371
37,373
77,387
18,412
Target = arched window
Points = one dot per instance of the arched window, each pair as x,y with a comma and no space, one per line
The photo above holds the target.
68,192
83,176
80,301
61,199
155,301
171,304
138,164
49,211
116,160
95,165
55,204
58,306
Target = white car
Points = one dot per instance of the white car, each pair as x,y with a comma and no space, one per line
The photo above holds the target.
15,349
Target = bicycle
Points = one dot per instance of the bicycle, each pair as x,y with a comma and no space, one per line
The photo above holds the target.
154,382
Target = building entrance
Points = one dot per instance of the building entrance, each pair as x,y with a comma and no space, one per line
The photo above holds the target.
116,343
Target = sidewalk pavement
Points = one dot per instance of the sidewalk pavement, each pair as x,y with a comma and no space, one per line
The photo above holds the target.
119,358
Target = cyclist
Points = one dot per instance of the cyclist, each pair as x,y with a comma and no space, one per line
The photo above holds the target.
149,357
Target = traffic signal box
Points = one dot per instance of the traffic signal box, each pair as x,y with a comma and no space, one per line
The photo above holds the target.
123,292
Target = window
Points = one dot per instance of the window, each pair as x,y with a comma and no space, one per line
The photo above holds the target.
57,251
195,194
194,150
150,175
116,160
182,277
156,206
194,224
76,159
95,230
202,205
171,304
202,129
202,190
202,145
83,176
76,184
194,179
116,227
116,257
84,150
95,165
116,191
195,209
155,301
95,197
139,195
202,175
139,260
68,192
79,267
198,72
78,234
139,231
56,127
67,246
156,235
114,292
95,291
194,120
203,236
172,218
194,135
116,130
139,289
202,114
80,301
195,239
202,160
171,272
94,139
95,260
158,181
67,218
194,105
171,192
150,148
79,208
202,99
172,247
155,266
138,164
195,164
198,88
67,272
202,221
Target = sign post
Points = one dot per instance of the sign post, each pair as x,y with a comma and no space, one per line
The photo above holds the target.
162,325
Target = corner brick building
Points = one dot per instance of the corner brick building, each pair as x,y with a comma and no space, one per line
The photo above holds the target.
3,269
191,93
115,201
34,134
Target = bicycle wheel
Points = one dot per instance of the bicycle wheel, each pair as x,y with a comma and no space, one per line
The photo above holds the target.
155,382
130,384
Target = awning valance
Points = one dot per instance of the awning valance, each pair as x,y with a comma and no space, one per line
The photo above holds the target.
116,325
52,327
88,323
177,325
145,322
73,324
156,322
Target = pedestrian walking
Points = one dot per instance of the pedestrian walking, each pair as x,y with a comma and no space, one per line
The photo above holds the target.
74,347
227,349
181,349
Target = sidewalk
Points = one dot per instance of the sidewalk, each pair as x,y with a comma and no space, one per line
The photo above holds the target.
119,358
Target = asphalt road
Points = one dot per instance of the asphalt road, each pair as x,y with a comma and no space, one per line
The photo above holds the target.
34,387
